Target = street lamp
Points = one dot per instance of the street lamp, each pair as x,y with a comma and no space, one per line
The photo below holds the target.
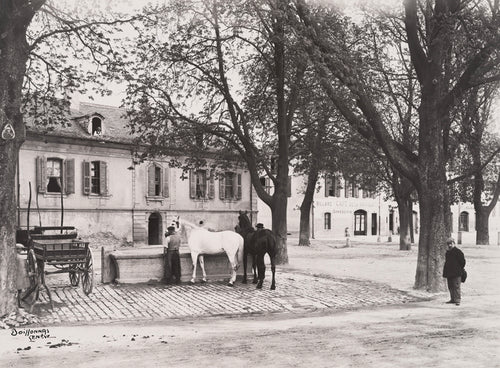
459,233
378,232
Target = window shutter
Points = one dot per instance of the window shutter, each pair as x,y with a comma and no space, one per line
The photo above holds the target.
211,185
192,184
356,190
222,187
41,174
86,177
103,179
347,189
289,187
165,182
238,187
151,180
327,185
69,176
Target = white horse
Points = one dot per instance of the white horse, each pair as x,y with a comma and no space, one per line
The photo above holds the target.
201,241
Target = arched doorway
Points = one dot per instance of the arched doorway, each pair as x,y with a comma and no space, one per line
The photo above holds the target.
154,229
360,222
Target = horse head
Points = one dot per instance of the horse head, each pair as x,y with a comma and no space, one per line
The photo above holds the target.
244,222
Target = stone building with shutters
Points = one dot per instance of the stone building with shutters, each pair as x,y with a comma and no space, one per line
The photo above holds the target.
85,175
340,203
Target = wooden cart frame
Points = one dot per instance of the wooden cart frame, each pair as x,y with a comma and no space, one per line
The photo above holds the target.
62,251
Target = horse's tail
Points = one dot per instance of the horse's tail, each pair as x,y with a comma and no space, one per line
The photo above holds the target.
239,251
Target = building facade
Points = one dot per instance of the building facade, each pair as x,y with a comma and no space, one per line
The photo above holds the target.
85,175
341,207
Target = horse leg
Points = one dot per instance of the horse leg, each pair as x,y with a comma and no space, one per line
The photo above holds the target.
194,259
234,266
273,270
245,257
261,267
254,268
202,265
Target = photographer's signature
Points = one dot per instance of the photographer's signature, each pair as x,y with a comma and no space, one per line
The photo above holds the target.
32,334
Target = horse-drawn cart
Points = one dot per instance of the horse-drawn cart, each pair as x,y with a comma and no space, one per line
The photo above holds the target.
58,247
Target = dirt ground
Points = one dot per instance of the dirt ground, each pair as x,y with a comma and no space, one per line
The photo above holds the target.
424,334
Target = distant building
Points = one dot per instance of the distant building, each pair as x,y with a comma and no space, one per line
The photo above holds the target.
85,175
341,204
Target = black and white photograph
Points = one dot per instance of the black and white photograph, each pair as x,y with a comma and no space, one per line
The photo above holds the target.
250,183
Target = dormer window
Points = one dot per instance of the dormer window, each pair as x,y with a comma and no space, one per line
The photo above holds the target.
94,123
96,126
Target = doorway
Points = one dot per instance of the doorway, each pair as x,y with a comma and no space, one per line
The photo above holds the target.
154,229
360,222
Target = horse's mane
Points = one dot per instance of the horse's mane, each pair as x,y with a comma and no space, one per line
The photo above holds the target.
188,224
244,221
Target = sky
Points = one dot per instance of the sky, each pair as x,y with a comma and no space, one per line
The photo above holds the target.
133,5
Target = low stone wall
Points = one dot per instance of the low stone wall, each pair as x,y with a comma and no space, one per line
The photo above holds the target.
146,265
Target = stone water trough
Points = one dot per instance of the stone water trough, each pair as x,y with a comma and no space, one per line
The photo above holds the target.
145,264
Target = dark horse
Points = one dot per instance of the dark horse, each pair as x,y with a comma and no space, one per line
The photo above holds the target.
257,244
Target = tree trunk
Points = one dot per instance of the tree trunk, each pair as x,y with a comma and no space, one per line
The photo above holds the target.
403,188
14,19
305,207
305,223
482,226
404,224
434,230
278,211
412,224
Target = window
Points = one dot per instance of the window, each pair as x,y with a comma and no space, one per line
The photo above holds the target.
266,183
157,181
96,126
463,224
95,178
230,186
328,221
351,189
332,186
55,175
201,184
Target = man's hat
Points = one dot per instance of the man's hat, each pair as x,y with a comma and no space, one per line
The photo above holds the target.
260,226
450,240
171,228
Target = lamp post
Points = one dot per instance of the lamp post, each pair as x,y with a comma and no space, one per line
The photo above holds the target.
497,165
312,220
378,232
459,233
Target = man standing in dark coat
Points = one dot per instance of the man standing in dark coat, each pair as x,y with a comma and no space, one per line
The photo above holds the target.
453,268
173,263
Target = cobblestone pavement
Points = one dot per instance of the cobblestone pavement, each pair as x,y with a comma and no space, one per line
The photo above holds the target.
295,292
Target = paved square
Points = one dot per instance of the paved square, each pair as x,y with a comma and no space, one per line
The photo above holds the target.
295,292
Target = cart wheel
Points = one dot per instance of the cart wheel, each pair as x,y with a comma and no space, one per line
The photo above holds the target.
32,268
74,276
29,295
88,273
